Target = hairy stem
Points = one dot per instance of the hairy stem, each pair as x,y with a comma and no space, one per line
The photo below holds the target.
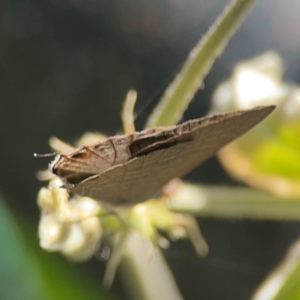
181,91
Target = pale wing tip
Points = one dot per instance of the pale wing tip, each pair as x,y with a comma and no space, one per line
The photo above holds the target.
259,112
268,109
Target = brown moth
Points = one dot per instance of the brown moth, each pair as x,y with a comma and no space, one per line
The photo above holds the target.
127,169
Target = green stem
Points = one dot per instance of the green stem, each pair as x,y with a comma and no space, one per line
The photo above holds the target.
283,282
237,202
145,271
183,88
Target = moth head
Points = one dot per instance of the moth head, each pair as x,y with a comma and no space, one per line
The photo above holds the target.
68,168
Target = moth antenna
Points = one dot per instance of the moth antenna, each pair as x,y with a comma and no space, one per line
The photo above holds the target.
128,112
38,155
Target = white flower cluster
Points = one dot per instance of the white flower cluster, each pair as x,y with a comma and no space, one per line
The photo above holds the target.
258,81
267,157
72,227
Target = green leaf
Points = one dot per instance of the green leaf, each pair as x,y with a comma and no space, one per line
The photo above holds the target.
289,133
284,282
277,158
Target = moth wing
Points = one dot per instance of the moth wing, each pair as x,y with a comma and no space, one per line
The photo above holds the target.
140,178
80,161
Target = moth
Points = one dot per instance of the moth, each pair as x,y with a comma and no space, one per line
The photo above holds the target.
128,169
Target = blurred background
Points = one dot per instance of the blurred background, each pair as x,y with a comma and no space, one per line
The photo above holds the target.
65,67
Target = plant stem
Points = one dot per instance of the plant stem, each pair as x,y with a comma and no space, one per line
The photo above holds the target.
234,202
145,271
183,88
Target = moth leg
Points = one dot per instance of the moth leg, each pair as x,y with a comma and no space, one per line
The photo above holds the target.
119,244
59,145
194,233
128,112
44,175
90,138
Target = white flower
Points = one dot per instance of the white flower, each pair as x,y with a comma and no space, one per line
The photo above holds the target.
72,227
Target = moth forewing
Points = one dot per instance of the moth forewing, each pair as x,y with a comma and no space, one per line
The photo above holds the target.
131,168
115,150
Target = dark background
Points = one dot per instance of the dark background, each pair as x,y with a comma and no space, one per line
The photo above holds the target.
65,67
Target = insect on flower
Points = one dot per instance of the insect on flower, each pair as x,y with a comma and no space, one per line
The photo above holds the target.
128,169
